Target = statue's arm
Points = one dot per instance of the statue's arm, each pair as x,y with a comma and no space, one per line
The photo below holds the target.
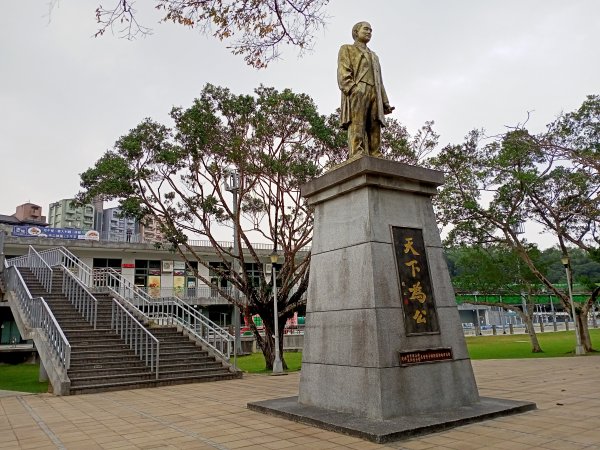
345,73
387,108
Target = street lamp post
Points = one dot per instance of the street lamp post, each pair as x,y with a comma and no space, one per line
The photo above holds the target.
233,185
578,347
277,365
1,251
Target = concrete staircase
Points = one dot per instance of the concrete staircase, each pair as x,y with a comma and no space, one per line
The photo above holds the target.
101,361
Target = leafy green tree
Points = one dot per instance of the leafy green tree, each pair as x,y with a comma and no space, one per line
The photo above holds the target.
276,141
493,188
497,270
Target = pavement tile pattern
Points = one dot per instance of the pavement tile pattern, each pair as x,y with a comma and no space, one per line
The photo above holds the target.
214,415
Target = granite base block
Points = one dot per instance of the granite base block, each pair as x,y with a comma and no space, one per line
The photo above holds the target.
398,428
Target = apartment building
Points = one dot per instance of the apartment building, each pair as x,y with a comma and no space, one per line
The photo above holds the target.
64,214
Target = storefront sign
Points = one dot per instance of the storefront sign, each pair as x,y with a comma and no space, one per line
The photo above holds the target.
56,233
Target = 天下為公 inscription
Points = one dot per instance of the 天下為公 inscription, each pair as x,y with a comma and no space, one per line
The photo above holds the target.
415,284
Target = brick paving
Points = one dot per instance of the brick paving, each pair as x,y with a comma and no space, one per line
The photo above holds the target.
214,415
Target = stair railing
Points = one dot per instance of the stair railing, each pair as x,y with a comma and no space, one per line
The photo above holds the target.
54,334
150,309
167,311
15,283
60,255
40,268
79,296
37,314
145,345
175,311
18,261
114,281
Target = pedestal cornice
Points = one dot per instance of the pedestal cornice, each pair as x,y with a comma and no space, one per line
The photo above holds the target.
370,171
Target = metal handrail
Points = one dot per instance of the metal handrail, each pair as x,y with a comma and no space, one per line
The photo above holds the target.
61,256
229,244
113,280
40,268
79,296
77,277
145,345
166,311
18,261
37,314
175,311
15,283
188,293
54,334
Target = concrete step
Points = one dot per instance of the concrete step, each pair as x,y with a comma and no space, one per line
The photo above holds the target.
139,377
101,361
110,354
179,359
136,376
171,366
152,383
98,346
131,370
131,361
92,335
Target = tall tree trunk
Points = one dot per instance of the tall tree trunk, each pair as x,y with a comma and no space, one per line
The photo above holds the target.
535,344
267,345
582,322
584,331
525,316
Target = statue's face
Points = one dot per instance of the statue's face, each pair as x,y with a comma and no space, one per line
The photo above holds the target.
364,33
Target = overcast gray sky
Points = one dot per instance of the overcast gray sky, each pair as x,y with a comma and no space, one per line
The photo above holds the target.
65,97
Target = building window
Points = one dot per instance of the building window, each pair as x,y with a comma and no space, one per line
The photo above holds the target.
147,273
102,263
254,273
216,278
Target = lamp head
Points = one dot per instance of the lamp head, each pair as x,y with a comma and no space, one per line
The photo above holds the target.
274,257
565,261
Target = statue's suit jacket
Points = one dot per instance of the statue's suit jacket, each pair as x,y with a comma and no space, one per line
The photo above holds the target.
353,65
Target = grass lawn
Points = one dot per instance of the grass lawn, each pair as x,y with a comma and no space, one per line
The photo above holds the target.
22,378
507,346
561,343
255,363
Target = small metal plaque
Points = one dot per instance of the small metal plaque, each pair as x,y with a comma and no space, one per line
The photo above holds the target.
429,355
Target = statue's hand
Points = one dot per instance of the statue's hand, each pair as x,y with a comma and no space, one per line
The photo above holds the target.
387,109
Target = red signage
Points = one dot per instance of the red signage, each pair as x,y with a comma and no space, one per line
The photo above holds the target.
128,266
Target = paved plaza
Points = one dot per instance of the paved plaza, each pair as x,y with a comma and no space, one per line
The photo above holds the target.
214,415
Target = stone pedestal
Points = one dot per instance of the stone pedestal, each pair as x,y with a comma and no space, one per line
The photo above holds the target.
355,326
383,339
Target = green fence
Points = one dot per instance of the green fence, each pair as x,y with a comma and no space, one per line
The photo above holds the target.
540,299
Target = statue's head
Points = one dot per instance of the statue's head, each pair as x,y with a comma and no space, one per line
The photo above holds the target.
362,32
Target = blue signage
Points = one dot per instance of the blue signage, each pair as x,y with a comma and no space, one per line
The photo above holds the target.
56,233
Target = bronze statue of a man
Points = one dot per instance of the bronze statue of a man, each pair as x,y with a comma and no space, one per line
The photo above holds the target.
364,101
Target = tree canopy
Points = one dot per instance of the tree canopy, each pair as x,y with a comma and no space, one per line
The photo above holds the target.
274,141
495,185
255,29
